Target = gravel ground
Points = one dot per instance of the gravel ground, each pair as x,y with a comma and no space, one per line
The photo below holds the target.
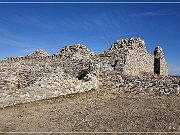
94,111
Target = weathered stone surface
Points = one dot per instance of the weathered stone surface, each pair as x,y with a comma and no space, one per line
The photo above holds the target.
48,86
131,56
76,51
160,64
147,84
125,67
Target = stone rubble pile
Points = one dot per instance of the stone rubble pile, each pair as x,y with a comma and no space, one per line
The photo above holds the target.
149,84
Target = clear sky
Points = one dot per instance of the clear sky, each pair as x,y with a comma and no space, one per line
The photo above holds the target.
27,27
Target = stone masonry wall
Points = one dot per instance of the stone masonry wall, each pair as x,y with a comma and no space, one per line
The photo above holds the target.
39,76
139,61
124,67
23,71
160,64
128,56
49,86
148,84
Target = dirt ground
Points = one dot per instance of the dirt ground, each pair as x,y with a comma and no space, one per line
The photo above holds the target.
94,111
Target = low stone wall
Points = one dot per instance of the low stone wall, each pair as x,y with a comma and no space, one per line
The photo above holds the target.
152,86
23,73
60,83
146,84
48,86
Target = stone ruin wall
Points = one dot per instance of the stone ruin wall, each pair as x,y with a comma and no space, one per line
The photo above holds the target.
41,77
131,54
23,70
164,67
128,56
138,60
47,86
160,64
147,85
77,69
135,71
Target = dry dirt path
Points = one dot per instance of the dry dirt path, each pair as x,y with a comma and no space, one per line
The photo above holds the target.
94,111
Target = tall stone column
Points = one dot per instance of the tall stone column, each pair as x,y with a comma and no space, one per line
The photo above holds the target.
160,64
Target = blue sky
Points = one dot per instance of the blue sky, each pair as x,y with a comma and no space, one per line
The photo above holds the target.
27,27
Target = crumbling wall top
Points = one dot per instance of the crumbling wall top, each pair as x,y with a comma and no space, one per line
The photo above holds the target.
158,52
76,51
132,43
39,53
74,48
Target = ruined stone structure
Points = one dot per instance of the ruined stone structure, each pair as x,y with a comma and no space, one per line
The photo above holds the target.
160,64
126,66
129,56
